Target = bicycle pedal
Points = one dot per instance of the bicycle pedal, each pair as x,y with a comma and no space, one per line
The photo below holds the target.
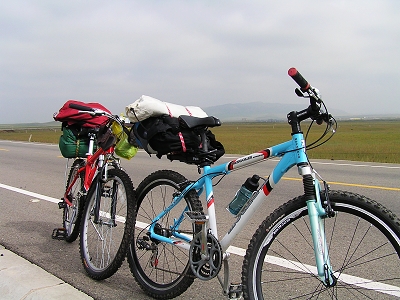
62,204
59,234
196,217
235,291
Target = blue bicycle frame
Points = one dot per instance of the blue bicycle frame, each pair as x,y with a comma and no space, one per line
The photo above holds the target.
292,153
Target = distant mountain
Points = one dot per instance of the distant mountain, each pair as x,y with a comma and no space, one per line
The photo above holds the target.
256,111
30,125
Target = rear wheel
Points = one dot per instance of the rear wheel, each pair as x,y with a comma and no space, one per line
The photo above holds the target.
363,243
72,215
162,269
107,224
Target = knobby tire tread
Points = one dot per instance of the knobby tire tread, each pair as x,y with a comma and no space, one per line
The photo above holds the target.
75,232
367,204
187,279
113,267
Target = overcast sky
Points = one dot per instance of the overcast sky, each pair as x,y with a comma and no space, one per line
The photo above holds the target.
200,53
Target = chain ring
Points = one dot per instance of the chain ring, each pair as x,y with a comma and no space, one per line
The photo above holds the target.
205,269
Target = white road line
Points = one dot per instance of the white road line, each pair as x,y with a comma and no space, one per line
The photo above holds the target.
32,194
31,143
344,164
300,267
361,282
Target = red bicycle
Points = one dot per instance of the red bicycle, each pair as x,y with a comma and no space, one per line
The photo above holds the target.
99,199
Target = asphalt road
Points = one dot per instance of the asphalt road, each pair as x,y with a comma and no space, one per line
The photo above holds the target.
27,220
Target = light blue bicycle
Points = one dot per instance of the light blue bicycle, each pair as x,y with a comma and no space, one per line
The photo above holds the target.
323,244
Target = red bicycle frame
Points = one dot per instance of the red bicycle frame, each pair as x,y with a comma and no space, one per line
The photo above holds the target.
90,169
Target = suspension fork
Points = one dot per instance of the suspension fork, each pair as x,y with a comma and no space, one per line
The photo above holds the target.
317,214
98,192
96,209
102,178
114,194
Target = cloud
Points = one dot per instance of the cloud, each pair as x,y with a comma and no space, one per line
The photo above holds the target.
196,53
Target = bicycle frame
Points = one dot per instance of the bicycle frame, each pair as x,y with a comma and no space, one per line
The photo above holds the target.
94,161
292,153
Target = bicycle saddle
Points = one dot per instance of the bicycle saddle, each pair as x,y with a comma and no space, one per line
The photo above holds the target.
192,122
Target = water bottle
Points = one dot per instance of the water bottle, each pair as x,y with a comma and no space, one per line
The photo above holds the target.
243,194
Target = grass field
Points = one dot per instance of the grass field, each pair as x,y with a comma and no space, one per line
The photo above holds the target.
361,140
373,141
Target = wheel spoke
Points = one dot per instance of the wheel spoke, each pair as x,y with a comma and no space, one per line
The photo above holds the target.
104,243
363,244
162,268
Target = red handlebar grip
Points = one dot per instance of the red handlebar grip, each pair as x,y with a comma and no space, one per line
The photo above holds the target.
304,85
292,72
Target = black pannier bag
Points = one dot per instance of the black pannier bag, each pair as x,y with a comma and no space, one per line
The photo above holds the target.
164,136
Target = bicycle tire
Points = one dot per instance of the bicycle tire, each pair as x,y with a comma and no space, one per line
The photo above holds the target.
72,215
162,270
364,249
103,244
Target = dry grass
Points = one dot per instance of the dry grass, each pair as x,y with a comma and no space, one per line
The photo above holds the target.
372,141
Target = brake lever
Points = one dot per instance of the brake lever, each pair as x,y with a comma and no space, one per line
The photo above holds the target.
324,117
300,93
316,94
96,112
310,93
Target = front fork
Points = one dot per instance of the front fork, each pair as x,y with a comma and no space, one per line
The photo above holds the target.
317,213
103,169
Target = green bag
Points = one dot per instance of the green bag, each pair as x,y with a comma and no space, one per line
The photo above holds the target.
124,149
73,145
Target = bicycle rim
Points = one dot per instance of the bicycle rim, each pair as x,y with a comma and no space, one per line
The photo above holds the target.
363,242
104,242
161,269
72,214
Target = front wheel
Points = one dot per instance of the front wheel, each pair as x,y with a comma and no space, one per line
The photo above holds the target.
364,247
107,224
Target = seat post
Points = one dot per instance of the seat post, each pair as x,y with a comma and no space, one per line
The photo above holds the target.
204,140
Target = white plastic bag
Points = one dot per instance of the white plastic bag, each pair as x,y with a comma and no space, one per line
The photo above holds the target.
146,107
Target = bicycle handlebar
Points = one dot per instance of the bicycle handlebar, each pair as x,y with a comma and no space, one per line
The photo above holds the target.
92,111
299,79
98,112
313,111
80,107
